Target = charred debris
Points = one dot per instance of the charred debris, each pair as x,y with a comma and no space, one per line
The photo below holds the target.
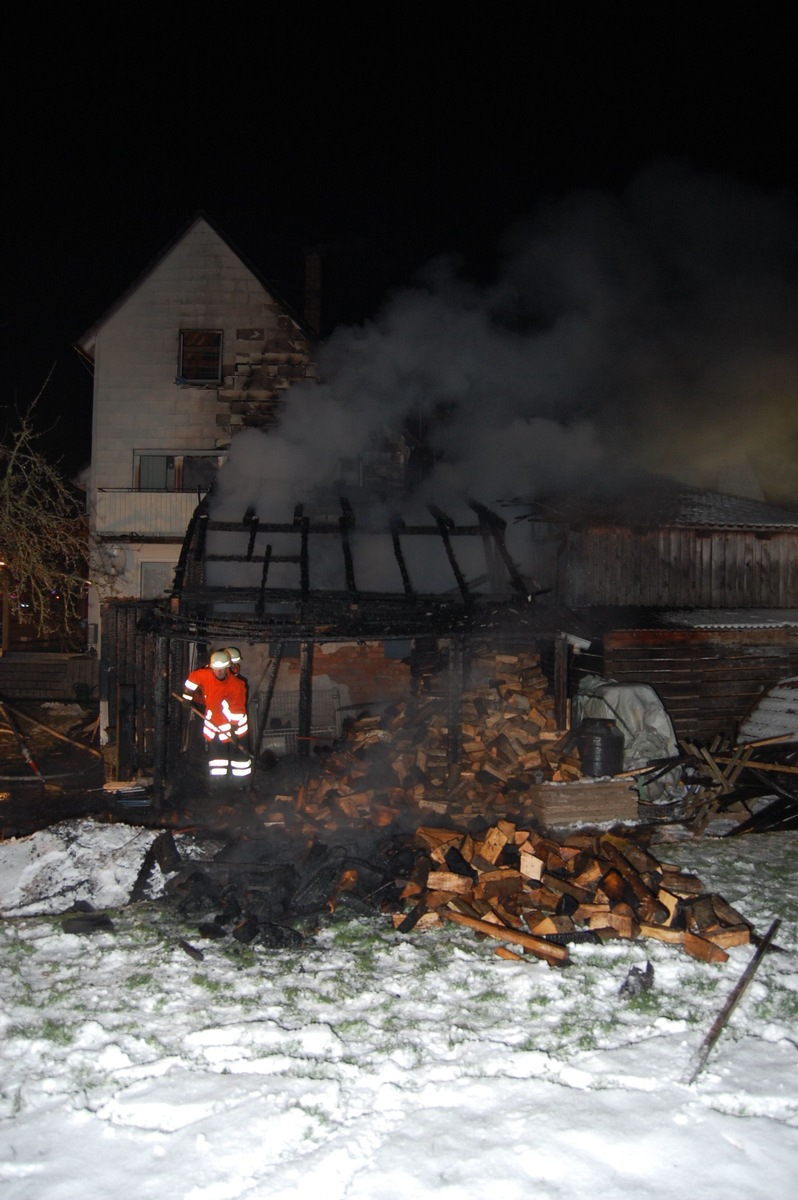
448,585
516,844
456,804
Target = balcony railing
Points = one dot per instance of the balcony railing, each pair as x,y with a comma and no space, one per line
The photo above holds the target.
124,512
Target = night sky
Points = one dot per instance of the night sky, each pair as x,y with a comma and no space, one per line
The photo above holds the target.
381,139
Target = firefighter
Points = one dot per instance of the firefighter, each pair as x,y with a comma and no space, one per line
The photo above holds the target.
234,654
224,708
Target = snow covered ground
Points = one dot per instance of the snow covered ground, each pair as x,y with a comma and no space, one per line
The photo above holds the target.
374,1066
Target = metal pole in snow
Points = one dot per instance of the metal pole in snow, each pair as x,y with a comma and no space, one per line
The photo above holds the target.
731,1003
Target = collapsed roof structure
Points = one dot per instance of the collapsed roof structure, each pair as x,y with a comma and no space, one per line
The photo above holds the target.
331,576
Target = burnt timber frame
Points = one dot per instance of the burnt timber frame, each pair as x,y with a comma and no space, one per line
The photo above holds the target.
299,614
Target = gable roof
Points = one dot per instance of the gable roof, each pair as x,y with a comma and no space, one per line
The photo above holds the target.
83,344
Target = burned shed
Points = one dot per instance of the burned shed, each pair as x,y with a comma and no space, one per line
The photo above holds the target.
334,582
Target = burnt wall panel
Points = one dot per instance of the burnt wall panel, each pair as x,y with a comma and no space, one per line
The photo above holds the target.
708,681
127,666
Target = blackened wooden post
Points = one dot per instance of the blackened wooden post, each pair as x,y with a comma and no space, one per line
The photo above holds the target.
202,537
305,697
125,730
491,521
180,570
160,719
304,572
454,746
561,680
445,524
253,533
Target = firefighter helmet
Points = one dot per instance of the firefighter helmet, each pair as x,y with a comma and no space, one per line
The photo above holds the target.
220,660
234,655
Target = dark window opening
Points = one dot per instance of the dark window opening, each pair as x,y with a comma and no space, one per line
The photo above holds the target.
200,356
176,472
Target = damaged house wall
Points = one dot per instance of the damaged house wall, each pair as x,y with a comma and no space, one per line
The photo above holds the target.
198,348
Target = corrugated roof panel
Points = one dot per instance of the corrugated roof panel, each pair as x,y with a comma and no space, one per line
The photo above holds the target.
774,715
725,618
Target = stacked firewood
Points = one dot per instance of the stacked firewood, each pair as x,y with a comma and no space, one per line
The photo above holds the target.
400,761
537,893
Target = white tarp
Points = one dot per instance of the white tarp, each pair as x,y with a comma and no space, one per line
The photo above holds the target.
640,715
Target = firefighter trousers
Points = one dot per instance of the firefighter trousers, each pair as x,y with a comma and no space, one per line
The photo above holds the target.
229,760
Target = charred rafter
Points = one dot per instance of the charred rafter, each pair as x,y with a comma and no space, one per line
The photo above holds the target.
288,606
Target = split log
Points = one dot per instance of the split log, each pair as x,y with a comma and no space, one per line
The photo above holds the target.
701,948
553,954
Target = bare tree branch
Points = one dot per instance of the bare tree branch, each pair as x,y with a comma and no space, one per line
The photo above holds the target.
42,531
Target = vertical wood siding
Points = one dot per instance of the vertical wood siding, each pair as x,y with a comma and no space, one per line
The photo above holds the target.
680,568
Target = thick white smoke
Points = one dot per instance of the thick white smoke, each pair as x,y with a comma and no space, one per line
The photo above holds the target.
652,329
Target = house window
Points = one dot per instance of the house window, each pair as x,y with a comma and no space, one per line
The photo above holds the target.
200,359
157,473
176,472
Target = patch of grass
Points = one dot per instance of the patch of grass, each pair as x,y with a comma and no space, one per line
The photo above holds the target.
50,1030
318,1115
647,1004
56,1031
491,995
203,981
779,1005
138,980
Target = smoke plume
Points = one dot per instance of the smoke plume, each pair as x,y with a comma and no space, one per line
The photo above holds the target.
653,330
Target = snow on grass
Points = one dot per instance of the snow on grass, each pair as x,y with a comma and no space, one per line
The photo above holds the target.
371,1064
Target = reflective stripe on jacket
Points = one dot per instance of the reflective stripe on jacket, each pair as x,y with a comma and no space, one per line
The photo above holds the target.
224,701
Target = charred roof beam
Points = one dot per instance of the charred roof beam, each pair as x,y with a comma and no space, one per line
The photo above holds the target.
304,570
263,576
346,521
445,526
253,533
182,562
494,525
397,525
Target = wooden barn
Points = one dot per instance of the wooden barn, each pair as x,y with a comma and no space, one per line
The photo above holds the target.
691,591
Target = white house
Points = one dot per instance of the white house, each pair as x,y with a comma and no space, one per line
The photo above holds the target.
197,348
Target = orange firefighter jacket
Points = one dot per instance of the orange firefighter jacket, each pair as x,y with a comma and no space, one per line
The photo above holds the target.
224,701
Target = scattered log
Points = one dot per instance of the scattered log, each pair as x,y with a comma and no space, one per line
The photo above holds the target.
553,954
615,895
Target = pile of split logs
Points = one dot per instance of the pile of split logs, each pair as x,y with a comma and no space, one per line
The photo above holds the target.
400,761
537,893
